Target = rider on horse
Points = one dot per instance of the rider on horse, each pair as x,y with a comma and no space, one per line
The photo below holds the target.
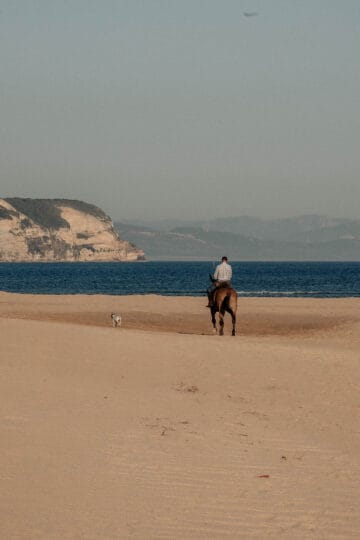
222,278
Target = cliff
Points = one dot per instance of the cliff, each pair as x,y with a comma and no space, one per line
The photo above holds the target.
47,230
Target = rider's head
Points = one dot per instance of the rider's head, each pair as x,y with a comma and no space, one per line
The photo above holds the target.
224,259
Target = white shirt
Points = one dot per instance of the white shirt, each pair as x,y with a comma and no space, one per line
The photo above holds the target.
223,272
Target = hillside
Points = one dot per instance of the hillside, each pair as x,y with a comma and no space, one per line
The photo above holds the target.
59,230
247,238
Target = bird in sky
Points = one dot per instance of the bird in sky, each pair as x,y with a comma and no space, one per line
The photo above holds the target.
250,13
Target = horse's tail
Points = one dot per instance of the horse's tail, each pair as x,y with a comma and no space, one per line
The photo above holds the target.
225,302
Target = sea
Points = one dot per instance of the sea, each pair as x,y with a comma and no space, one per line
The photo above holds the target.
250,279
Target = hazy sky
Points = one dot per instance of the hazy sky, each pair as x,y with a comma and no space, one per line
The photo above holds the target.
182,108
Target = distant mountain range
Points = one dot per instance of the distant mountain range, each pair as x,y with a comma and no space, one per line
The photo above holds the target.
309,237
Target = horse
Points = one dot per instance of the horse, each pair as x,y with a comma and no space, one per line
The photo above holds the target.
224,299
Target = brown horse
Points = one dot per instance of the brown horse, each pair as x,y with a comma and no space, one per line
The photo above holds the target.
225,299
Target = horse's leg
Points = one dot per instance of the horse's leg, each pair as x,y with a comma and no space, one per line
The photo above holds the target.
233,318
231,308
213,319
234,325
221,320
232,311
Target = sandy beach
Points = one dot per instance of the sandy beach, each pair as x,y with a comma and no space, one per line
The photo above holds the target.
161,430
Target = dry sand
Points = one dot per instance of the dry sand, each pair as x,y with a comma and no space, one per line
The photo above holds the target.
159,430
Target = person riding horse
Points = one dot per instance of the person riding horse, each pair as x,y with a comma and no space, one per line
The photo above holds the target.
222,278
222,297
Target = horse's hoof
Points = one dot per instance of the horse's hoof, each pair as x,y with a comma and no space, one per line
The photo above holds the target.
214,331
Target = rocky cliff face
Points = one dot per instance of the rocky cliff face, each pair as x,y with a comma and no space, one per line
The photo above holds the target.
59,230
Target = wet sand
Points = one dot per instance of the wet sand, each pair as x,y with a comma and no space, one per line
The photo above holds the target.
159,429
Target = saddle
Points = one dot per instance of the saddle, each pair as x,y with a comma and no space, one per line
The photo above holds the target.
222,284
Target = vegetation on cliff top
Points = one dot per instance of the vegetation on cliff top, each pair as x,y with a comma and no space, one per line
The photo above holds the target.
46,212
5,213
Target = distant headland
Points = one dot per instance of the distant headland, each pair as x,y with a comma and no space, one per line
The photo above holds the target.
48,230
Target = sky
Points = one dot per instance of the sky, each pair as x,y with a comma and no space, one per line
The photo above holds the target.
182,109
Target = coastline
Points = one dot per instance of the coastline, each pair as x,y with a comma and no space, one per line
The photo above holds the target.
158,429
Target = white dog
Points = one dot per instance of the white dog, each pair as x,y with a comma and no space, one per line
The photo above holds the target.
116,319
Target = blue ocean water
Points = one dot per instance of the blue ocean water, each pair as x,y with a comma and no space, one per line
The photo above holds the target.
302,279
